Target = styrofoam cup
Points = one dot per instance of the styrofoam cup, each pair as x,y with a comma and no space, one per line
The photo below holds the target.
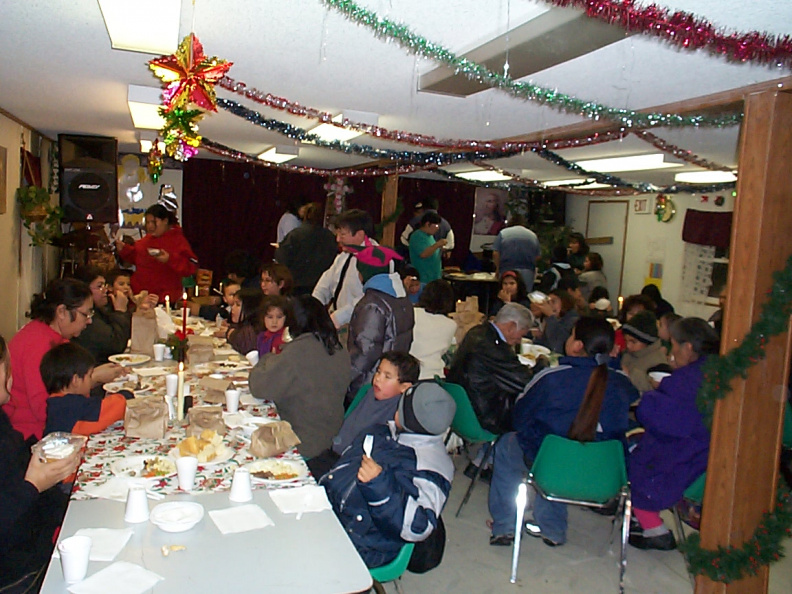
171,384
74,554
186,467
241,490
137,509
232,400
159,351
253,357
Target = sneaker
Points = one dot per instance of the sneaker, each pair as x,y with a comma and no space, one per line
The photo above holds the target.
501,540
532,529
661,542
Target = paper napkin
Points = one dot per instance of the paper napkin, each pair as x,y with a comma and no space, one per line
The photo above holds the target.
106,543
300,500
119,578
240,518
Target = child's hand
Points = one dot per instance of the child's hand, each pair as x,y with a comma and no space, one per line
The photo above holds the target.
162,257
368,469
107,373
119,300
44,475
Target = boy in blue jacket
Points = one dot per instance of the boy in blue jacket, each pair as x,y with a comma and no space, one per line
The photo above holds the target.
396,494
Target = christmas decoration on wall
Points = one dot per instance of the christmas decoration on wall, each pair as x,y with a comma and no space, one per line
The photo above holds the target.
728,564
688,31
665,209
415,44
337,189
190,77
720,201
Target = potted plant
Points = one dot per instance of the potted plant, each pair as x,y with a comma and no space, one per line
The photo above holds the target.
41,218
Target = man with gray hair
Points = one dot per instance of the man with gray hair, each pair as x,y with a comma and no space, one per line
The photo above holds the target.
486,365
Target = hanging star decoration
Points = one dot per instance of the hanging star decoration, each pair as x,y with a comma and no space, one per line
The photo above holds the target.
190,77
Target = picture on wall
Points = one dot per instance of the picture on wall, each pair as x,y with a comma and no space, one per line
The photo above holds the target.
489,216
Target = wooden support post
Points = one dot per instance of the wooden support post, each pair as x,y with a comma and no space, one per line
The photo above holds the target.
389,199
746,434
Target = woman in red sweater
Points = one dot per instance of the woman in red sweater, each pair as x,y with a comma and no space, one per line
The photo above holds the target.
161,258
58,314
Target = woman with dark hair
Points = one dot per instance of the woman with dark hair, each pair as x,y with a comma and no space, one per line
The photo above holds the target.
290,219
512,290
560,315
245,320
425,252
57,315
162,258
433,331
308,379
674,448
31,509
276,279
592,275
662,306
581,399
577,250
308,250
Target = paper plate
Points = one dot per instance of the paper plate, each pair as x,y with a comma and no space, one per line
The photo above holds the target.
133,466
224,455
296,467
129,358
176,516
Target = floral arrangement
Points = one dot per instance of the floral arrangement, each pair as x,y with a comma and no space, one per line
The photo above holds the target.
179,343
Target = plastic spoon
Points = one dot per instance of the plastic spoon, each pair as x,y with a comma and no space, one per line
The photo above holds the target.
368,443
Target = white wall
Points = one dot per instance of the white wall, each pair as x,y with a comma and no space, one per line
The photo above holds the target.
649,240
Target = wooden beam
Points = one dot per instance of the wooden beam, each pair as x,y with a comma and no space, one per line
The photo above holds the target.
747,425
389,199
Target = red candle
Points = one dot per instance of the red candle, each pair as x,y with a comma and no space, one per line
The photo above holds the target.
184,314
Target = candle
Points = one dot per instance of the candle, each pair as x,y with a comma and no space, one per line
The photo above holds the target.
621,302
184,315
167,303
180,393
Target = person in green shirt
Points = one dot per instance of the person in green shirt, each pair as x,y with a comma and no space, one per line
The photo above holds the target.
425,252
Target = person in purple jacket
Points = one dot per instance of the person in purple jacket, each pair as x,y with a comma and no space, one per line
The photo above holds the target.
674,448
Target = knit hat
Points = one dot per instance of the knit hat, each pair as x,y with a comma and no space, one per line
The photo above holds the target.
373,259
642,326
426,408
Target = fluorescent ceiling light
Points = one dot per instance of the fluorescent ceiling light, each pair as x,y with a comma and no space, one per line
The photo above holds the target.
280,154
148,26
705,177
484,175
570,182
636,163
329,132
144,104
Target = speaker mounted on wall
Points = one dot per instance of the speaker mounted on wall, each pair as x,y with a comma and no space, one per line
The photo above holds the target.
88,178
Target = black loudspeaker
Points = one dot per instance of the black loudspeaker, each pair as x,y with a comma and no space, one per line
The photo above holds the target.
88,178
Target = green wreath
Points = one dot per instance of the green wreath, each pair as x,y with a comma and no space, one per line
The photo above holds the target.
727,564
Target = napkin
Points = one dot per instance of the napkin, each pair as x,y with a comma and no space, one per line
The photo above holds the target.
300,500
225,351
149,371
119,578
240,518
116,488
106,543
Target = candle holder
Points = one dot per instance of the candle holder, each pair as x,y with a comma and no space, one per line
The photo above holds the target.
179,344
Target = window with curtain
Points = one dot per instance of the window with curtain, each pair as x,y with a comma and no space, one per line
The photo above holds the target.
706,235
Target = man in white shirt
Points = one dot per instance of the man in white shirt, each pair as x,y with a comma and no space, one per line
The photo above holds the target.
340,286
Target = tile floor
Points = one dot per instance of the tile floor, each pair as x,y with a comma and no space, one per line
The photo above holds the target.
586,563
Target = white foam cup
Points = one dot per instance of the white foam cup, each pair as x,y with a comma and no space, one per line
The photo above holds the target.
241,490
232,400
137,509
171,384
186,467
74,554
159,351
253,357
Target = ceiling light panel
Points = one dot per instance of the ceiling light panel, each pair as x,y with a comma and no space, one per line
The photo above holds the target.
148,26
636,163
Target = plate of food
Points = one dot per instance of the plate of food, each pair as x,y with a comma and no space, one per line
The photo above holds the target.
207,447
276,471
143,466
530,352
129,359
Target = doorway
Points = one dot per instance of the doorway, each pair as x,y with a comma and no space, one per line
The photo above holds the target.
606,233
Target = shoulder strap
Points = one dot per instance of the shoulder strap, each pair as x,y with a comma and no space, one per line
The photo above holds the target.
334,302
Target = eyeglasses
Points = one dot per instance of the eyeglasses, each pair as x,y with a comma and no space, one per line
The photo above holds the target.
88,316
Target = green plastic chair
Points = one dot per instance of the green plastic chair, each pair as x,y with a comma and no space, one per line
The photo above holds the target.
393,571
356,400
467,426
591,474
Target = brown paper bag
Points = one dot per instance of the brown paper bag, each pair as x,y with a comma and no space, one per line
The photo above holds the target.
272,439
215,389
200,353
146,417
205,417
144,332
466,316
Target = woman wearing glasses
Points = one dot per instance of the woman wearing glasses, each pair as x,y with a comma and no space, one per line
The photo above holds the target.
58,314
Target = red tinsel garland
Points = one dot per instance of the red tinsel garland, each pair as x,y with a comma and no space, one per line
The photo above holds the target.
688,31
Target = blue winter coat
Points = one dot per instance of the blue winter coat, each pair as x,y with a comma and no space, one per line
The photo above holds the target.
549,404
673,451
402,504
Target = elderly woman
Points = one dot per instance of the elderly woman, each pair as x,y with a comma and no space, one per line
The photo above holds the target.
675,445
433,331
162,258
308,379
58,314
31,508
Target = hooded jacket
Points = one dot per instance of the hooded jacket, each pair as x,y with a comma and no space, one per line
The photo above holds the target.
382,321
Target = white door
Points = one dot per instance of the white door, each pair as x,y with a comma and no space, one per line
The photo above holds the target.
606,232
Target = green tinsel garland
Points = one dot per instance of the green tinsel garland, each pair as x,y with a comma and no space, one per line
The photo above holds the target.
415,44
727,564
